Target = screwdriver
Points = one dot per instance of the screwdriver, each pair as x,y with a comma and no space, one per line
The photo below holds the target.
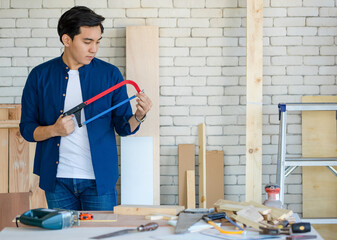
142,228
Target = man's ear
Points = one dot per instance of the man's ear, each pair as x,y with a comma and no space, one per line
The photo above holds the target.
66,40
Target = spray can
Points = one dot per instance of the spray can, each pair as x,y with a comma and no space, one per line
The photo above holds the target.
273,196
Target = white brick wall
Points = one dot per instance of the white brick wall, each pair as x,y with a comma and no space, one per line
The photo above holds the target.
202,70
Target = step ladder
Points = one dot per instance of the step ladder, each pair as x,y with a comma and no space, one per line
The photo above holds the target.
286,165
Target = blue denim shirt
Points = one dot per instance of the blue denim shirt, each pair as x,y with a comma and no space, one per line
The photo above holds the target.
43,102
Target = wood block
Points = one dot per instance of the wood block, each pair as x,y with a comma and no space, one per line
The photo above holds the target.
276,213
247,222
226,205
4,153
11,205
202,166
147,210
250,213
186,161
319,139
254,81
214,177
190,183
142,66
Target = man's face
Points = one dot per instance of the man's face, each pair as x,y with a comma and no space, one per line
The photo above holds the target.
84,46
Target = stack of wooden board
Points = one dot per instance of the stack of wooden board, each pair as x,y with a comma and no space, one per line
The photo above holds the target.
19,188
253,214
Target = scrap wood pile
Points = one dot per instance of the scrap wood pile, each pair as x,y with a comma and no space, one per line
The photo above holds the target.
253,214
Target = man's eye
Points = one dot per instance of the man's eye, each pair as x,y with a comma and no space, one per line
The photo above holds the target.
87,42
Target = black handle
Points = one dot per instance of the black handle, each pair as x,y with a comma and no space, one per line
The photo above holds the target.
301,227
148,227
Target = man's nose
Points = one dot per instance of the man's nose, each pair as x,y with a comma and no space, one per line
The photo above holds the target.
93,48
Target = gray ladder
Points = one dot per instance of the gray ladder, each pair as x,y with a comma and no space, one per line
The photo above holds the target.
286,165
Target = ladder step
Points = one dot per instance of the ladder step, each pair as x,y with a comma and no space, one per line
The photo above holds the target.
310,161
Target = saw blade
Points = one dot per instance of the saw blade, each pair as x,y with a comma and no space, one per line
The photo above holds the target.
114,234
186,220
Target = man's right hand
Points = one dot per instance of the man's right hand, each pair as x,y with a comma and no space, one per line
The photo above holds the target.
64,126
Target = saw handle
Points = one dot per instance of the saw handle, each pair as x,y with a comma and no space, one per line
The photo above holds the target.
148,227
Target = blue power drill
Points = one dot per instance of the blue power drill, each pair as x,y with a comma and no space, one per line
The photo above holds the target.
49,218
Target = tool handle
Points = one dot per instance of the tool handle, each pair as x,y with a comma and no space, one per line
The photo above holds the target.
148,227
301,227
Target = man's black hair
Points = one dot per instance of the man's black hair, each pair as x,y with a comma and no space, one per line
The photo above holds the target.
76,17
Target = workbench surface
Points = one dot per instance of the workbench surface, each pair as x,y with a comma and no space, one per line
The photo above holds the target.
87,230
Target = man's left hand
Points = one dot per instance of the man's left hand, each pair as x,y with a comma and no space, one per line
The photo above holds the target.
144,105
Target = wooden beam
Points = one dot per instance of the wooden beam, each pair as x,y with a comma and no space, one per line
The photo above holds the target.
142,66
147,209
9,123
254,101
4,153
186,161
202,166
190,186
215,177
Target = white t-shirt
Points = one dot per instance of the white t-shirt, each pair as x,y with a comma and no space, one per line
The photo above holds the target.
75,157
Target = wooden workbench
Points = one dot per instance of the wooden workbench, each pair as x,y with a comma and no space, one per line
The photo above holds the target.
91,229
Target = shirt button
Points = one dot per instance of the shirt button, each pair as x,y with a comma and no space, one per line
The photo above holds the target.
63,94
61,111
57,162
66,77
67,68
58,144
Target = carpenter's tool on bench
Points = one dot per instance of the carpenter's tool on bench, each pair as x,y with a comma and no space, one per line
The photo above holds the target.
301,237
49,218
77,110
301,227
142,228
190,216
215,216
86,216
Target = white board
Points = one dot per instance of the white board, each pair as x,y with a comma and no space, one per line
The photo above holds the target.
137,170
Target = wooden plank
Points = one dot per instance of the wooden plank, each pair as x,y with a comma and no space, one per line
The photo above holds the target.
142,66
214,177
9,123
147,210
37,198
186,161
254,101
4,152
327,231
202,166
190,185
11,205
319,140
18,156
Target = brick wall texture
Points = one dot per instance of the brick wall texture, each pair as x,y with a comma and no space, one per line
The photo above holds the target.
202,70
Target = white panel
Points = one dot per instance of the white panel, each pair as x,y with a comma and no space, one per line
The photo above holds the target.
137,170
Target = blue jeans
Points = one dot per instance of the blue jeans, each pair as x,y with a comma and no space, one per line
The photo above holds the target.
80,194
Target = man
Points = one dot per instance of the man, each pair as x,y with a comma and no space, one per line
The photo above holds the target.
78,167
